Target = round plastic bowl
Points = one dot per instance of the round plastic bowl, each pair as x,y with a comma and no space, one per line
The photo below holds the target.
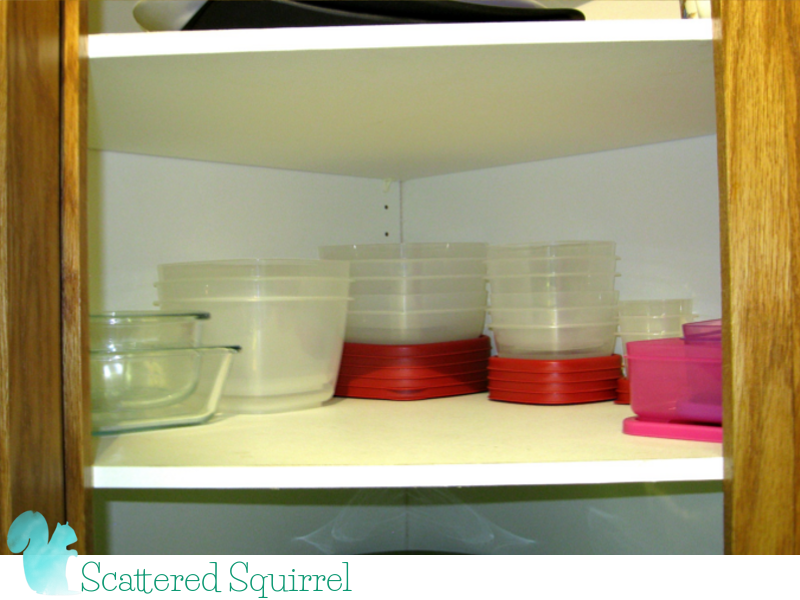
655,308
416,302
553,265
552,316
573,282
129,330
291,350
418,285
549,343
421,327
252,288
554,299
356,252
253,267
425,267
545,249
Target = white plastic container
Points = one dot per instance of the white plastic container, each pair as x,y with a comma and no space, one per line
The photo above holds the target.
355,252
291,349
253,267
554,299
552,317
545,249
252,287
554,265
417,302
574,282
655,308
555,343
424,267
417,285
420,327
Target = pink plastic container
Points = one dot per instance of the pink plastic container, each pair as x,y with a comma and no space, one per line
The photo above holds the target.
703,331
675,381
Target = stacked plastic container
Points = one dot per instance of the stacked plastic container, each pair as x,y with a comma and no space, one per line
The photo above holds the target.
415,323
149,370
676,384
287,315
552,303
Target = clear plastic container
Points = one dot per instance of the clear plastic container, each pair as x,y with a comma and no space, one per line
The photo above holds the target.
147,389
253,267
553,265
655,308
421,327
416,302
417,285
554,299
573,282
657,325
672,381
555,343
252,288
546,249
291,350
129,330
359,252
551,317
426,267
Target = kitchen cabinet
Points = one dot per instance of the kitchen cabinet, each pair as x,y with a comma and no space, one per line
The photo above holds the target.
372,134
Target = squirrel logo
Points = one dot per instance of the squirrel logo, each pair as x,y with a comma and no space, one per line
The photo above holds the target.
45,562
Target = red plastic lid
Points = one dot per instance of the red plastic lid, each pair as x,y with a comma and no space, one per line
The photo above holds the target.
416,362
673,431
413,372
417,350
552,388
578,377
407,384
416,394
623,398
555,366
623,384
550,399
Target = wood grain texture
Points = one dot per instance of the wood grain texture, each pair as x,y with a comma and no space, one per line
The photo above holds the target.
31,453
74,273
757,63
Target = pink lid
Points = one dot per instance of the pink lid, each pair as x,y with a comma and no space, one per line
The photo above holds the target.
673,431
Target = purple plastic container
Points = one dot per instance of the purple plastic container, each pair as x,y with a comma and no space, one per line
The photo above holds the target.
675,381
703,331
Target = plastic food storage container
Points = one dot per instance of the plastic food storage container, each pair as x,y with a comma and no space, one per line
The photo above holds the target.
657,325
553,316
551,265
671,380
703,331
426,267
420,327
573,282
545,249
253,267
129,330
417,285
148,389
252,287
419,302
355,252
291,348
549,343
554,299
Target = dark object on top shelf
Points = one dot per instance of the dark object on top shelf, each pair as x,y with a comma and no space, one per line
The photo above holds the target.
256,14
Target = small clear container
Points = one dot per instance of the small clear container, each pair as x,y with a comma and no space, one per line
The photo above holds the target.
658,325
655,308
552,317
417,285
573,282
553,265
551,249
252,288
253,267
359,252
555,343
423,267
417,302
136,330
149,389
420,327
554,299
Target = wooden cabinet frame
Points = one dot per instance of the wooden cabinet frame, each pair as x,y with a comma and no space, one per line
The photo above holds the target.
44,417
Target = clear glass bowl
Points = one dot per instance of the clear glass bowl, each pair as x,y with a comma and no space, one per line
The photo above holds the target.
129,330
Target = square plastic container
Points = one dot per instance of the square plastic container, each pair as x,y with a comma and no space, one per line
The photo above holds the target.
572,282
546,249
554,299
454,284
552,317
354,252
150,389
128,330
555,343
291,349
655,308
672,381
417,267
420,327
555,265
703,331
417,302
659,325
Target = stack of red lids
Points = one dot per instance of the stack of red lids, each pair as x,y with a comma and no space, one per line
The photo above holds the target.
414,372
623,391
573,381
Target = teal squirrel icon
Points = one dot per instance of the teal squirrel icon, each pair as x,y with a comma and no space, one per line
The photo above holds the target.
44,561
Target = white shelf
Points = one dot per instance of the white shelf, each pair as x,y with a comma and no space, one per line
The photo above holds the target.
403,101
459,441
